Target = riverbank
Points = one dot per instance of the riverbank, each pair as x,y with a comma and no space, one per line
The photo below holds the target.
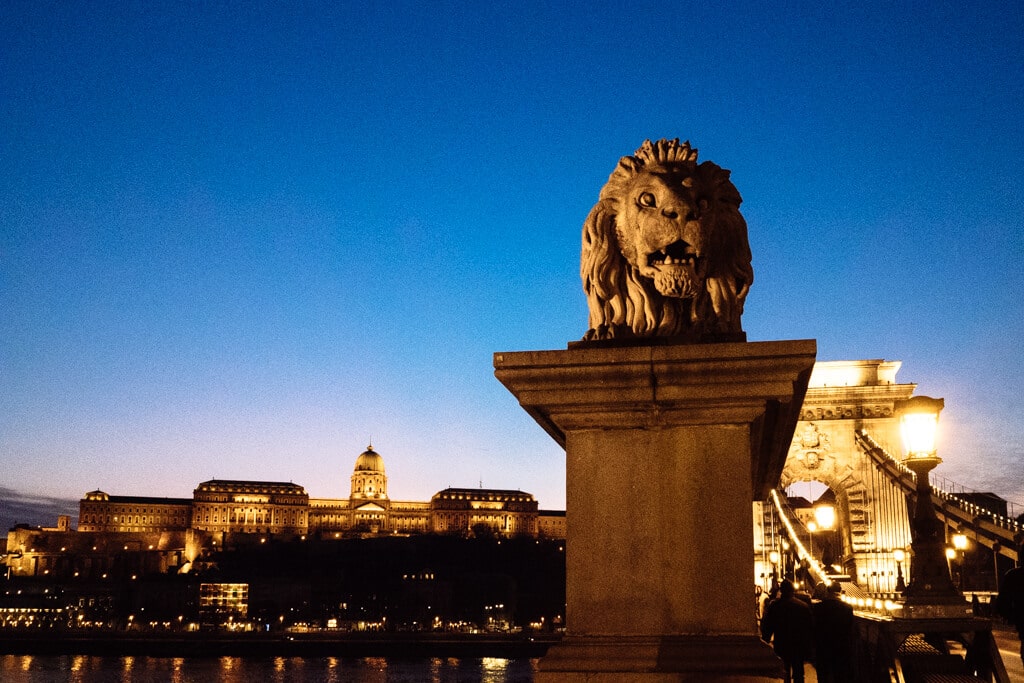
203,644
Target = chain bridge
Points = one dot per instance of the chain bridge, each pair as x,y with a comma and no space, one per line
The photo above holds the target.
848,440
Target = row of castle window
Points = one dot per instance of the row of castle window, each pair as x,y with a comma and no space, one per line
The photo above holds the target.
126,519
460,496
265,517
250,516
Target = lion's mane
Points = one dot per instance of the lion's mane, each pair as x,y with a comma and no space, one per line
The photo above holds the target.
703,230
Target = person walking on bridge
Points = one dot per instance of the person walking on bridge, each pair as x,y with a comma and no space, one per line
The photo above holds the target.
789,625
833,631
1010,601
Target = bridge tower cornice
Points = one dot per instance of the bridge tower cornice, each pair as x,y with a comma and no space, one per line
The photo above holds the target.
854,403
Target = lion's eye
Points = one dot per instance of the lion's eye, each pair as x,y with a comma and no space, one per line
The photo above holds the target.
646,199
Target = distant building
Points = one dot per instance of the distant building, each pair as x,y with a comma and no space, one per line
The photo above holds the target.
250,507
98,511
223,602
167,534
551,523
504,512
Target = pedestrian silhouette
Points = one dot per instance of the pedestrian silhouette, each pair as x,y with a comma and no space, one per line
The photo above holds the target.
833,636
788,625
1010,601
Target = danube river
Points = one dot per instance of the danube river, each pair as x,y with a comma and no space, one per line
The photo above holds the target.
141,669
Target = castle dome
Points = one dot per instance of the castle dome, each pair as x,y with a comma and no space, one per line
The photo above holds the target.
369,461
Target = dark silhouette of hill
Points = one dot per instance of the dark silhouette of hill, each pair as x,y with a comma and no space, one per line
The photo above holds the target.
21,508
402,580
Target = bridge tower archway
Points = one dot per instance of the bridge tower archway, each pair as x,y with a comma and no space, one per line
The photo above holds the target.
848,439
872,519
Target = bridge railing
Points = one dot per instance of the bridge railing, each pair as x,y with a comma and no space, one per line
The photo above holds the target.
1001,532
787,518
958,492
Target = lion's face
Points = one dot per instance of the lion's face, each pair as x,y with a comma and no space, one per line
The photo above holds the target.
661,231
665,249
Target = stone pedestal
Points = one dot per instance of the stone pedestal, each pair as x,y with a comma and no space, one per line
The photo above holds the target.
666,448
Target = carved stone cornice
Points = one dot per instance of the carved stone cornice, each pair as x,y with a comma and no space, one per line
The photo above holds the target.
846,411
853,403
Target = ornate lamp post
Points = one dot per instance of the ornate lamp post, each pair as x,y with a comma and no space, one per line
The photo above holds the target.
825,520
899,556
931,592
960,544
812,527
774,558
825,516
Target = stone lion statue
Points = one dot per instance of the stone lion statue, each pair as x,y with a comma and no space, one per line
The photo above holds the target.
665,250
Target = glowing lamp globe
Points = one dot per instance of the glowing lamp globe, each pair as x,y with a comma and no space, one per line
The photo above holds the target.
825,516
919,423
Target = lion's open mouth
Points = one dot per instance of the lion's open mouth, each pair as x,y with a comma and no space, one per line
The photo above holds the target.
676,270
677,253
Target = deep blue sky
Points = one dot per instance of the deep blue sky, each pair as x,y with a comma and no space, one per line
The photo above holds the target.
241,240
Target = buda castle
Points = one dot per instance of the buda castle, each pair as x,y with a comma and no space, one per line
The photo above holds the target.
219,507
222,513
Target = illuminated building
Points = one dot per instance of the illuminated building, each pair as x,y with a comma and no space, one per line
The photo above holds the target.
505,512
165,534
99,511
222,602
250,507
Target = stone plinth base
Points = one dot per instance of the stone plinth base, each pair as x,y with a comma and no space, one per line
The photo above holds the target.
669,659
666,447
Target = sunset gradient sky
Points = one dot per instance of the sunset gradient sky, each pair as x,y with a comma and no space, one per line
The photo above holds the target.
242,240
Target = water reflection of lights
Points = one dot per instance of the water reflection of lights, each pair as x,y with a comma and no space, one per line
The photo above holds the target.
272,669
177,673
333,673
494,670
435,670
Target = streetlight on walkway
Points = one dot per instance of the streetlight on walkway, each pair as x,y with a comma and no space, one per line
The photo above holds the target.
960,545
899,556
825,519
774,558
931,592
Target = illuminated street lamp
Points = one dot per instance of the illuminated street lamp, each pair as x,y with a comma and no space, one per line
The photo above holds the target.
931,587
825,516
960,542
811,528
824,520
774,558
900,556
960,545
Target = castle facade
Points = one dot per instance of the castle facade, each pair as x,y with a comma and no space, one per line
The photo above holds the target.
172,532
